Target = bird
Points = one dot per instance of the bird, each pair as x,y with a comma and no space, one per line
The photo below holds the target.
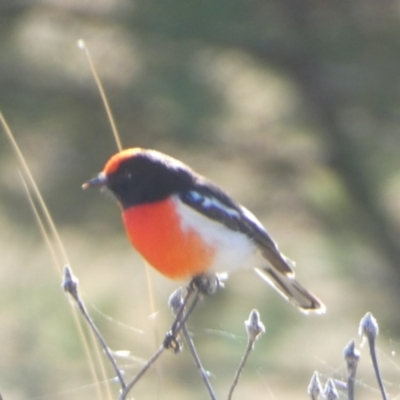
185,226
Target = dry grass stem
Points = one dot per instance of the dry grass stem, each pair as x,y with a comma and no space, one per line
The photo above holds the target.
82,46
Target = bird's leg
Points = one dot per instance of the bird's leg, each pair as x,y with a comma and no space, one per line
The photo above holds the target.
206,284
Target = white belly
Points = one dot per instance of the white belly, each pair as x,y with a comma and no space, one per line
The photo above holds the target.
233,249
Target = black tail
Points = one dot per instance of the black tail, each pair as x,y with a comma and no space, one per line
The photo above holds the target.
291,290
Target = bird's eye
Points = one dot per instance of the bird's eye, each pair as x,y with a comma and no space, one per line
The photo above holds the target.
122,176
127,175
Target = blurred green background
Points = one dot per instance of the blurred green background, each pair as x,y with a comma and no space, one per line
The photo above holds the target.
291,106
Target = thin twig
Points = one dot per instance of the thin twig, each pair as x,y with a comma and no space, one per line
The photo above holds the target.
197,360
352,356
200,285
197,297
70,285
171,335
254,328
175,302
240,369
180,314
149,363
170,340
369,328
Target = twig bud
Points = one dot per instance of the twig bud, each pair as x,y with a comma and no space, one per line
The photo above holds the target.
330,392
368,326
70,282
314,388
351,355
254,326
175,301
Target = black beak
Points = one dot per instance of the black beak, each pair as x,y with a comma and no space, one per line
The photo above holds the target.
99,180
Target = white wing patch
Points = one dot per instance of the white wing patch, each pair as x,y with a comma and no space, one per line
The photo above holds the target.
212,202
250,216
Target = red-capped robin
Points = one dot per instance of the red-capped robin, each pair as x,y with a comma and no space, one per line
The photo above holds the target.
186,226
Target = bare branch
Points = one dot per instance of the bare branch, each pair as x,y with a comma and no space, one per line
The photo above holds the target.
175,303
125,390
171,340
254,328
70,285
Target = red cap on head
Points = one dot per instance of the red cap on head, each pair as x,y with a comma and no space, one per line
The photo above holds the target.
114,162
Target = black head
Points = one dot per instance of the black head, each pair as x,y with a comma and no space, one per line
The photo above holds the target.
138,176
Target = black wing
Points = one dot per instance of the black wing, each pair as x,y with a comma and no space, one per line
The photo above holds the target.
211,201
217,205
